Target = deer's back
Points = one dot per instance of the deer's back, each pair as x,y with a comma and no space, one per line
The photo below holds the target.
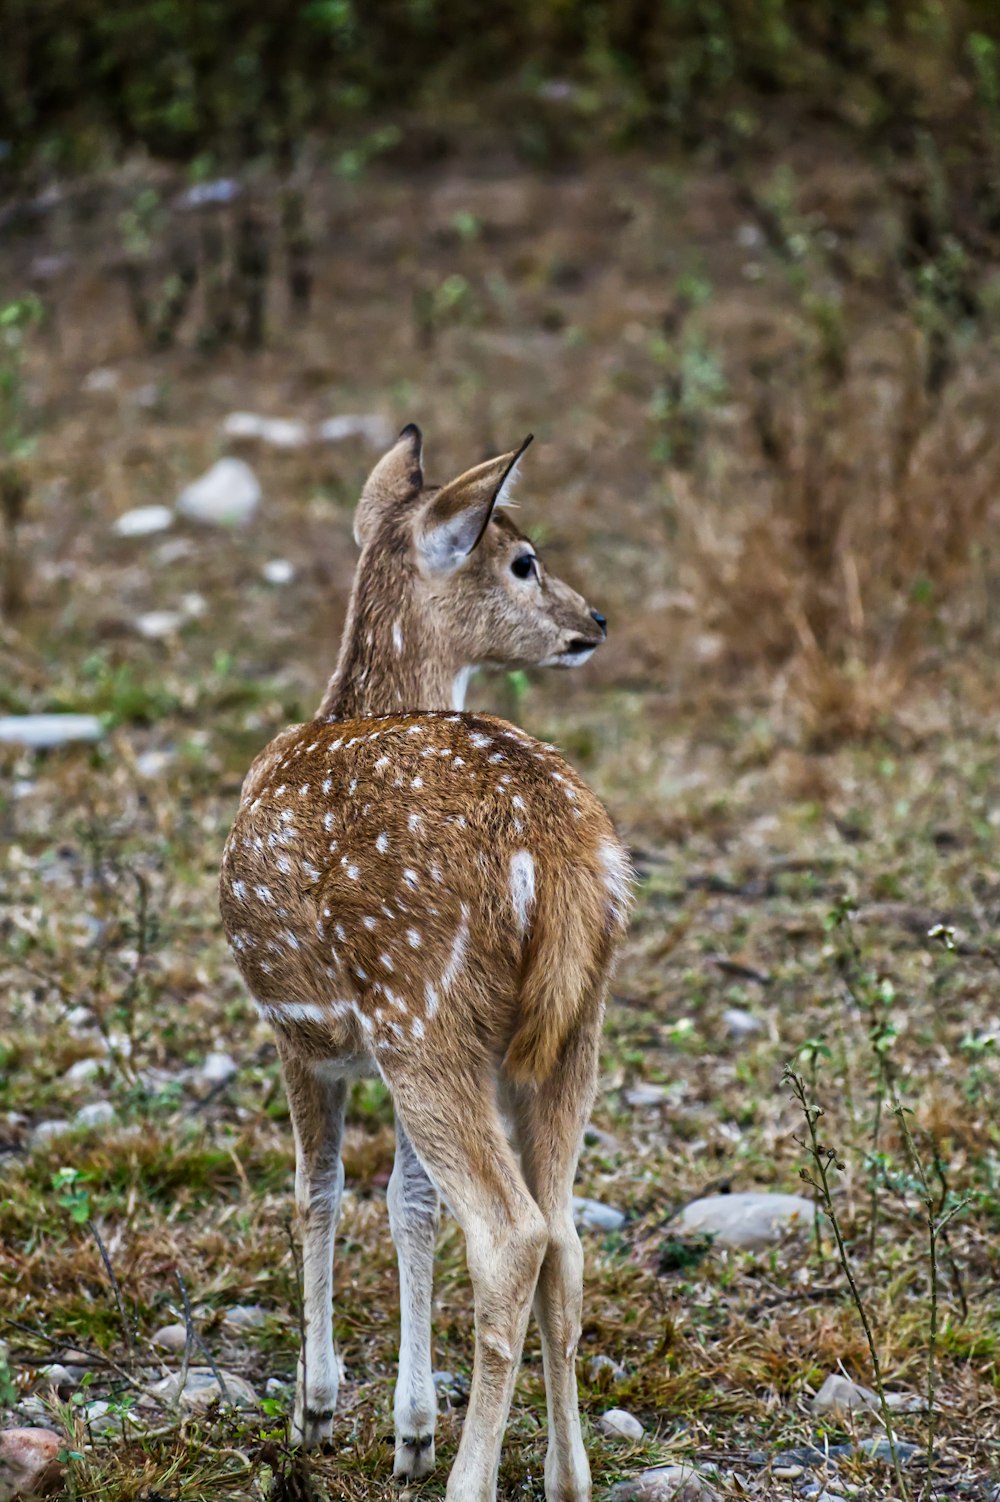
384,874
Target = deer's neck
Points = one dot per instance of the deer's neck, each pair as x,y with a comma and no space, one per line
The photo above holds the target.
389,662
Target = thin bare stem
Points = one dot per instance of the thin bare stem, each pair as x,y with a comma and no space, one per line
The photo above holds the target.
116,1290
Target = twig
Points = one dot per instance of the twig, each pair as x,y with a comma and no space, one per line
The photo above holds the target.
825,1158
116,1290
193,1338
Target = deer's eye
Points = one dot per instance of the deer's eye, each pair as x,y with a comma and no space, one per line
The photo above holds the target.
524,565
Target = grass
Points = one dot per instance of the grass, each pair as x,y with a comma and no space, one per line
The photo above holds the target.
782,766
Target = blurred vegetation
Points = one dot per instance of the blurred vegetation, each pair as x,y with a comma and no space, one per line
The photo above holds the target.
236,80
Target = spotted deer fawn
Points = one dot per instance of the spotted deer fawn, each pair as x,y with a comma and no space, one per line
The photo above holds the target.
435,896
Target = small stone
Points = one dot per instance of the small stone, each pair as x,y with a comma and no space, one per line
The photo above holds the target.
79,1018
276,1387
56,1375
591,1215
81,1071
227,495
102,379
278,571
202,1389
451,1386
372,426
170,1337
839,1396
788,1472
246,1317
221,190
217,1068
645,1094
279,432
142,521
747,1220
617,1423
880,1449
154,625
41,732
600,1364
46,1130
665,1483
740,1024
29,1465
98,1113
153,763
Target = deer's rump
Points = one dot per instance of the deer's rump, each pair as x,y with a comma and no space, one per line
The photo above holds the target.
391,878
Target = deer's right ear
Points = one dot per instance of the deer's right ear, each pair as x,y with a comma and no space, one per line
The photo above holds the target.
396,477
454,522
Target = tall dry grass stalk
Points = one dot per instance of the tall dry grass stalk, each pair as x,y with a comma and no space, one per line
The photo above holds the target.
862,528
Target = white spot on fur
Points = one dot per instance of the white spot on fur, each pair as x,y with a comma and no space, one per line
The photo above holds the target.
413,938
417,782
413,823
340,931
397,637
457,957
327,784
480,740
239,890
522,886
418,1028
410,876
264,894
386,962
353,873
303,789
382,843
383,761
369,923
431,997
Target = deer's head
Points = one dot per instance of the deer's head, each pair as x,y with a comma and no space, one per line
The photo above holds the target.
451,562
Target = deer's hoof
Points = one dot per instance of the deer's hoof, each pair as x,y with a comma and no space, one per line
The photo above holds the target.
414,1456
312,1427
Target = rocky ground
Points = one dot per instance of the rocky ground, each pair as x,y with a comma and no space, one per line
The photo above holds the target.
814,831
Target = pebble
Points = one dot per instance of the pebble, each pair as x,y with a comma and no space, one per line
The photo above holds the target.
591,1215
246,1316
79,1018
227,495
598,1365
153,763
279,432
617,1423
740,1024
154,625
451,1386
170,1337
372,426
747,1220
56,1375
41,732
666,1483
840,1396
81,1071
46,1130
142,521
645,1094
29,1466
217,1068
277,1387
98,1113
202,1389
278,571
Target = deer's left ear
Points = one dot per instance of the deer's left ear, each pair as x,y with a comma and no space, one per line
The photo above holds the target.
454,522
396,476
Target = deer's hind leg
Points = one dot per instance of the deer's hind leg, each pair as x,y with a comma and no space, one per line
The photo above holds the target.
317,1098
455,1128
413,1220
549,1120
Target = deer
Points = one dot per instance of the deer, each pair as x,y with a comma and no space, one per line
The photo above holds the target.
431,895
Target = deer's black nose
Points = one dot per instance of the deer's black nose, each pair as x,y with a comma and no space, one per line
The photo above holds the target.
599,618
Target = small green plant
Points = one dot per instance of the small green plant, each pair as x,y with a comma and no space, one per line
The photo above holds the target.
71,1192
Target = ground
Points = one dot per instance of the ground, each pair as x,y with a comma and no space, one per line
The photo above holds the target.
809,788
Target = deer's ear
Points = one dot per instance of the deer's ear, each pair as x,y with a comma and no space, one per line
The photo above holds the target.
396,477
454,521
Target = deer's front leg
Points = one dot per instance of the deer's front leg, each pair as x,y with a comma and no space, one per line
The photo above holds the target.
413,1219
317,1098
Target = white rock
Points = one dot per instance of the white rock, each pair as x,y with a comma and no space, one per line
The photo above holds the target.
246,1317
617,1423
193,605
154,625
80,1017
741,1024
207,195
227,495
81,1071
665,1483
278,571
747,1220
99,1113
46,1130
102,379
647,1095
55,1375
279,432
840,1396
372,426
153,763
597,1365
591,1215
170,1337
274,1387
141,521
216,1068
41,731
201,1389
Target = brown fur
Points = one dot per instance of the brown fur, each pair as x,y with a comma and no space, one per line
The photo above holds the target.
438,894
